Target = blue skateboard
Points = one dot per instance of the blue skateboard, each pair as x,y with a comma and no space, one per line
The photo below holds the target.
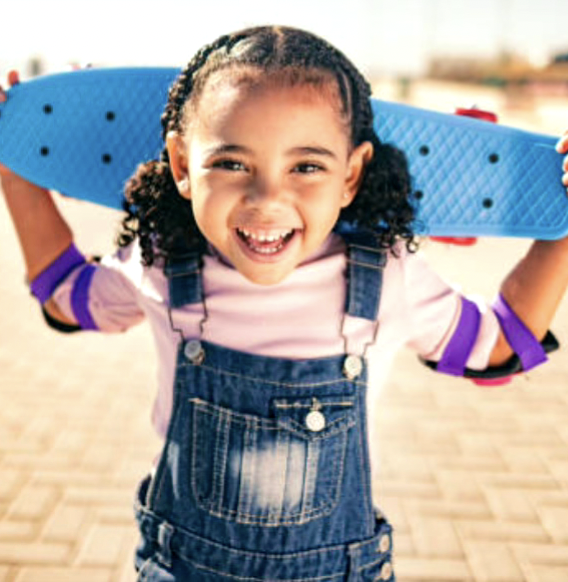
83,133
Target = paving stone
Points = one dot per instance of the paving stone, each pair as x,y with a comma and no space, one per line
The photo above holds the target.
539,573
37,553
66,523
33,502
555,521
70,574
492,562
432,570
104,545
435,537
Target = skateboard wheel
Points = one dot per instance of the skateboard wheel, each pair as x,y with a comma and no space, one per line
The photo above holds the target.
477,114
455,240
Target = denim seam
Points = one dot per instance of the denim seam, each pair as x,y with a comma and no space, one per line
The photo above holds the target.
364,461
286,406
344,423
255,579
360,263
275,383
251,554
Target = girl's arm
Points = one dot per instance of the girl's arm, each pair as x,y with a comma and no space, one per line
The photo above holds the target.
42,231
537,284
534,290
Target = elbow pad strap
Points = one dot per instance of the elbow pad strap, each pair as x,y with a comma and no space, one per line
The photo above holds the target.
520,338
43,286
459,348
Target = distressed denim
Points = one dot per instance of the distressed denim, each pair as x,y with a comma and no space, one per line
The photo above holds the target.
265,470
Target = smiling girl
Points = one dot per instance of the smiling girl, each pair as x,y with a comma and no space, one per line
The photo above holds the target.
271,250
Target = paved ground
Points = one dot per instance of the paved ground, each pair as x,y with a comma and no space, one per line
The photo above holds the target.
475,480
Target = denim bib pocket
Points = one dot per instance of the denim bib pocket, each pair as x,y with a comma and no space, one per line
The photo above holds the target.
284,469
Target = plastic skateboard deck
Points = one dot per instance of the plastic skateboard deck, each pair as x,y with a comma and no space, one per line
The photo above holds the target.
83,133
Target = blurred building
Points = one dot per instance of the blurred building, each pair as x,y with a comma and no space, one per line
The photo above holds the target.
508,70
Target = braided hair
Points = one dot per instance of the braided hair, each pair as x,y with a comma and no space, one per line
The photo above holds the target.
163,220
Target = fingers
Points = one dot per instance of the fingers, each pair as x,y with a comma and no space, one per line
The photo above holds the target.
562,148
562,144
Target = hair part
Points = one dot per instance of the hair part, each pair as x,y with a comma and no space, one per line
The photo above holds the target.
163,220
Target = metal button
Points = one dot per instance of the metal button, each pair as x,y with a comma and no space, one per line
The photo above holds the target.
386,571
352,367
384,543
194,351
315,420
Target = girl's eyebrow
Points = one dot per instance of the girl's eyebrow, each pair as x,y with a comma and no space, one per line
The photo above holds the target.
312,150
228,148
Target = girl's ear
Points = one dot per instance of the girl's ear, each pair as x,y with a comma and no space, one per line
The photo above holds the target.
358,159
177,153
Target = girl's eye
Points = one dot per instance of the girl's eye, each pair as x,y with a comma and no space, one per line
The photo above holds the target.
229,165
308,168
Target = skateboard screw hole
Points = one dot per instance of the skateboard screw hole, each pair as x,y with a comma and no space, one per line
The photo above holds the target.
493,158
107,158
44,151
419,195
487,203
110,116
47,109
424,150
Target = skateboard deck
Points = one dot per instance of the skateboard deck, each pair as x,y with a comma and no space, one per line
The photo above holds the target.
83,133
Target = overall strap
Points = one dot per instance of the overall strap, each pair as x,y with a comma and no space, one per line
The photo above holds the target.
184,279
365,265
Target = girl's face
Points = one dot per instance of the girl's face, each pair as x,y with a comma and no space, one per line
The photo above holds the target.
268,171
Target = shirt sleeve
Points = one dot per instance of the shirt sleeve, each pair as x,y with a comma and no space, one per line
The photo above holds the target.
103,295
433,310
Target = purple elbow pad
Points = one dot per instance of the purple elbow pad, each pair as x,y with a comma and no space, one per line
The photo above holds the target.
80,298
459,348
520,338
43,286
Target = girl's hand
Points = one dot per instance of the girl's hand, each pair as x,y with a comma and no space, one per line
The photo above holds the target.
13,79
562,148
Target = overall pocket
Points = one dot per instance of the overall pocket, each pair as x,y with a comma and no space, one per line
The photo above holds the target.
282,470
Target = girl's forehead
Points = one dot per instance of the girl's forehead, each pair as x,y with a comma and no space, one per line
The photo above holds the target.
227,89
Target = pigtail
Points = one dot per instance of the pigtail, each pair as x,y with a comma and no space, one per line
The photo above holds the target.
157,214
383,204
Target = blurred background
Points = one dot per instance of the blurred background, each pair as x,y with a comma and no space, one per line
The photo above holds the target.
515,50
474,480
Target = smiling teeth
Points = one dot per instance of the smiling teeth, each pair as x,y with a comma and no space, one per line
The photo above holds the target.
268,242
261,238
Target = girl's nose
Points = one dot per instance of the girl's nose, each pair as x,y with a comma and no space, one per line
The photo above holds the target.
265,192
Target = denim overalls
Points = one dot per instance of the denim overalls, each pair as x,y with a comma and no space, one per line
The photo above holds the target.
265,470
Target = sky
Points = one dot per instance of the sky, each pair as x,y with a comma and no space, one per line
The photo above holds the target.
387,37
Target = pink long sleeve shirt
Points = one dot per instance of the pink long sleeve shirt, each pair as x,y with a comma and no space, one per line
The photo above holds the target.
298,318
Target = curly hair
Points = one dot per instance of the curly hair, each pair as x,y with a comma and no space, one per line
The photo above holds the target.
163,220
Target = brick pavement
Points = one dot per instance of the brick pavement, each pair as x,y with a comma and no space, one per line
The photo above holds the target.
475,480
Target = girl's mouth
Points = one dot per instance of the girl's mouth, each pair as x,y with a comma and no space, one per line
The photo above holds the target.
266,241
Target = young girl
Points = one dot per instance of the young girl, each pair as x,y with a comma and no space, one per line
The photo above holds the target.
274,321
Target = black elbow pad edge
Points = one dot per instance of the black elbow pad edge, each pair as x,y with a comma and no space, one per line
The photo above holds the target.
509,368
